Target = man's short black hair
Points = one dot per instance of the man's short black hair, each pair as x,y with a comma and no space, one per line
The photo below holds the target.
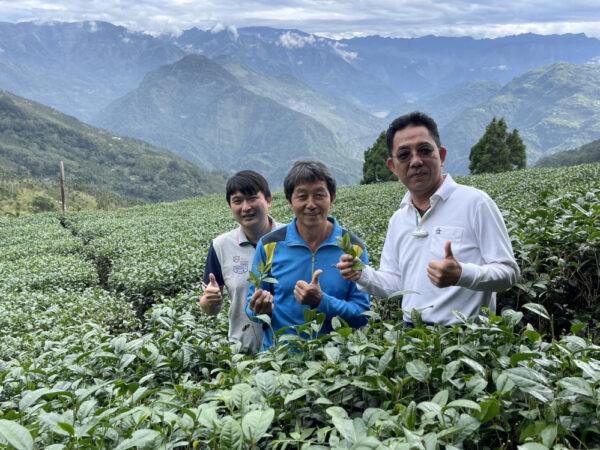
413,119
248,182
307,171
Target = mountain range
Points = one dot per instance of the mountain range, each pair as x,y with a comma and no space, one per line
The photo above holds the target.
203,113
554,107
261,97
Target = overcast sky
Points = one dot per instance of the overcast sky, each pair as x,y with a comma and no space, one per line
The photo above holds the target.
334,18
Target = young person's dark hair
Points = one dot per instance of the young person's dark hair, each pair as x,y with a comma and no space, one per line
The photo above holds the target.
306,171
248,182
413,119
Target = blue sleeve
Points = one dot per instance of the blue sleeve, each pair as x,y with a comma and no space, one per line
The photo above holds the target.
213,266
259,255
350,308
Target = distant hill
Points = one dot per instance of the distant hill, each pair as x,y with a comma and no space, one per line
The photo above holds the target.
432,64
205,114
315,60
554,108
355,128
446,105
79,67
35,138
586,154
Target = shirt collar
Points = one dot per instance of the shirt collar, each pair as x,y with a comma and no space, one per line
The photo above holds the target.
242,239
443,192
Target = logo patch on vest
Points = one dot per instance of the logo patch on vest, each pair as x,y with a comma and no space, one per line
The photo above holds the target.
240,264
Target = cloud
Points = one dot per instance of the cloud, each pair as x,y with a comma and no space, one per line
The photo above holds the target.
346,55
294,40
332,18
230,28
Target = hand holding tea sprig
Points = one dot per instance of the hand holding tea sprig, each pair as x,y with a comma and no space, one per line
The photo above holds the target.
349,265
261,301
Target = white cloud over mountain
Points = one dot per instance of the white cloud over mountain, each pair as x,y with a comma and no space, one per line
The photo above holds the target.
334,18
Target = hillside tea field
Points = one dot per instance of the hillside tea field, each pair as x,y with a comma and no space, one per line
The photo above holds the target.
103,344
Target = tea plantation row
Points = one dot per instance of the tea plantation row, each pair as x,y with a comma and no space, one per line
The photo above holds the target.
103,344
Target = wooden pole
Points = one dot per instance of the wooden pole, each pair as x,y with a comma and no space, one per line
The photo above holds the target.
62,188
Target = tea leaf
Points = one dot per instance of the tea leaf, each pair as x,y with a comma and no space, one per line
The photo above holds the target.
231,436
266,383
549,434
577,386
538,309
139,438
16,435
418,370
462,403
256,423
294,395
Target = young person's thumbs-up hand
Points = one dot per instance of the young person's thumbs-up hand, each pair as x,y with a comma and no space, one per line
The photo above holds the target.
212,298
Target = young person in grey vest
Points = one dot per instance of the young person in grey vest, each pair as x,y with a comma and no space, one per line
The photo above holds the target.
230,255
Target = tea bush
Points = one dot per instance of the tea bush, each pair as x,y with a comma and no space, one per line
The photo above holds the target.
103,344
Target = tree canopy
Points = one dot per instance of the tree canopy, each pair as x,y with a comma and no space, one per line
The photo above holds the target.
498,150
375,168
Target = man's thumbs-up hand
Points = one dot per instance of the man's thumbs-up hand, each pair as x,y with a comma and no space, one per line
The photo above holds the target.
446,272
212,299
309,294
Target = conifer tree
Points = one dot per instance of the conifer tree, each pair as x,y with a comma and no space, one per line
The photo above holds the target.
497,150
375,168
518,154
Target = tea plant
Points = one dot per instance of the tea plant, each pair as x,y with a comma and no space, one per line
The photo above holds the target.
263,275
103,344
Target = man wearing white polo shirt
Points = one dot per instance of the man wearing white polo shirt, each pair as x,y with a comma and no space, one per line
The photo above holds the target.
230,256
448,242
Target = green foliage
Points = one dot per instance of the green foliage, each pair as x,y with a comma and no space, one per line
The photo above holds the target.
497,150
517,151
104,345
263,275
375,168
22,195
586,154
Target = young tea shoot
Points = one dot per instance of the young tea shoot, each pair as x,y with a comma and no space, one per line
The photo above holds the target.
343,242
264,271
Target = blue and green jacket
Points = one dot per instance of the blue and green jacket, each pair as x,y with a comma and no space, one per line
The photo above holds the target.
293,260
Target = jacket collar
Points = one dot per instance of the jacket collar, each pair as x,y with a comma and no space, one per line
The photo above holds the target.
293,238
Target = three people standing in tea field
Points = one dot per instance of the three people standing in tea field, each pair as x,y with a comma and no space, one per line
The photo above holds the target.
448,242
